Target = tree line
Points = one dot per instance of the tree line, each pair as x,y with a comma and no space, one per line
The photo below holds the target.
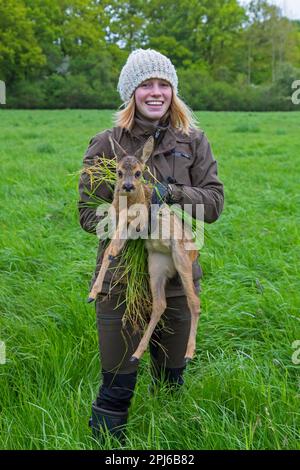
68,54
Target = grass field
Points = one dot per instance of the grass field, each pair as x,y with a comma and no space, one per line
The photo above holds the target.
242,389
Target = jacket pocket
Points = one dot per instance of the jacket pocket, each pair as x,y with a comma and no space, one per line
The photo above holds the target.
182,160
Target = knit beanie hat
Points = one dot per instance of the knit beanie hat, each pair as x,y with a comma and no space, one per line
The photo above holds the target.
141,65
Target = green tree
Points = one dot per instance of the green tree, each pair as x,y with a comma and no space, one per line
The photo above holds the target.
199,32
47,21
270,40
127,23
20,53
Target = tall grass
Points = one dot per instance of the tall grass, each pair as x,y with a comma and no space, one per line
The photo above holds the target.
242,389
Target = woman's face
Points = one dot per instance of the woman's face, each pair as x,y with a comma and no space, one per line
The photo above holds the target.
153,98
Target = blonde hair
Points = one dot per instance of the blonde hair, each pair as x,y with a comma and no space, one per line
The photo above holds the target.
181,116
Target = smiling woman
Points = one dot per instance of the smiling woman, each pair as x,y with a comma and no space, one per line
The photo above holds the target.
183,171
153,98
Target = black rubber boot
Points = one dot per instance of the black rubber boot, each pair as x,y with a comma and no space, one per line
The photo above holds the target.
108,420
161,375
110,410
172,379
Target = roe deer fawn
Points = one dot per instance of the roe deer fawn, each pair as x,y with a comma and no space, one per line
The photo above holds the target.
166,256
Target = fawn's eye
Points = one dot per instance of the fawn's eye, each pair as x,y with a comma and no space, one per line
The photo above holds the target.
137,174
120,174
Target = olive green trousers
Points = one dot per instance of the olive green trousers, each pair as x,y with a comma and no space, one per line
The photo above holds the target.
117,344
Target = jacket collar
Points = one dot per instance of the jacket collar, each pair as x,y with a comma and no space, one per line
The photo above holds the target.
168,136
144,127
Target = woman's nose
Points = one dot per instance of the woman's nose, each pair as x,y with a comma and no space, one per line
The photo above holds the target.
156,89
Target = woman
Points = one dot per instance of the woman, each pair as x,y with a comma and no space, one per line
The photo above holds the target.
182,161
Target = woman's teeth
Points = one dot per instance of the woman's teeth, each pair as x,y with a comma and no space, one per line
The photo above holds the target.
154,103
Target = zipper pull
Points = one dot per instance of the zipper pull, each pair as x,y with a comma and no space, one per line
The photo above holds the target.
157,134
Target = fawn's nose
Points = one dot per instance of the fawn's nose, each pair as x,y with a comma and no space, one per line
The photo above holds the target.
128,187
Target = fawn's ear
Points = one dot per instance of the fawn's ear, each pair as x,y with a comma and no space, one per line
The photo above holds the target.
118,151
145,152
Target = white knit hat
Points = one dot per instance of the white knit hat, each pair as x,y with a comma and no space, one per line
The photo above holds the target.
141,65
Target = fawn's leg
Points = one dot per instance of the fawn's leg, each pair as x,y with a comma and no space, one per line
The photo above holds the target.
158,276
183,264
113,249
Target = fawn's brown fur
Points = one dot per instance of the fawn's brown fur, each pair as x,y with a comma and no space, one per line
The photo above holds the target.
166,256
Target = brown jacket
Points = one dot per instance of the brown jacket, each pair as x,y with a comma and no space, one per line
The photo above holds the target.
187,159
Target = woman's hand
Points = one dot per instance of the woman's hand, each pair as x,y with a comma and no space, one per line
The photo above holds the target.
160,194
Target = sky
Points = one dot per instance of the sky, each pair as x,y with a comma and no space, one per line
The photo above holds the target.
291,8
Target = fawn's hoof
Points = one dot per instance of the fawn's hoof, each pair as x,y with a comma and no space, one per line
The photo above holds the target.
187,360
90,299
134,360
111,257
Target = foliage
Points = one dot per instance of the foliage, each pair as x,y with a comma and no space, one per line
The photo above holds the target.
20,52
72,54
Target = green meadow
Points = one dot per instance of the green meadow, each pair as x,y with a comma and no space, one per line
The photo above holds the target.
242,389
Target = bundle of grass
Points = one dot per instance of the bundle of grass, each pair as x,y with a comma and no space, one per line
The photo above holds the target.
133,271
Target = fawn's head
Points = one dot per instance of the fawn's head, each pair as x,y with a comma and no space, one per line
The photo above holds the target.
130,168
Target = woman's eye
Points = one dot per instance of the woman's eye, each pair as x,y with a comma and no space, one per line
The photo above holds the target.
137,174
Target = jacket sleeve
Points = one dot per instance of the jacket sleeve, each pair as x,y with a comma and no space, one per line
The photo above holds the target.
206,187
88,191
